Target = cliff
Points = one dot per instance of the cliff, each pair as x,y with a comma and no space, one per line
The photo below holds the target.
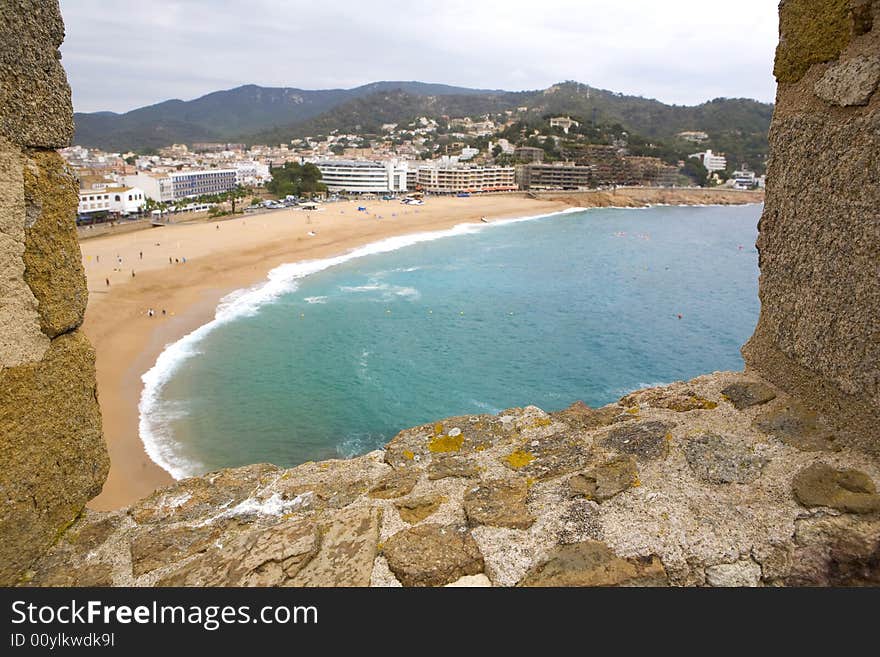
765,477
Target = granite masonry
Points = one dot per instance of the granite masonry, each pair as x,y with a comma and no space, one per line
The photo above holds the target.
766,477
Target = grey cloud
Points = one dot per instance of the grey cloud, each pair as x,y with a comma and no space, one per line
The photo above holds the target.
129,53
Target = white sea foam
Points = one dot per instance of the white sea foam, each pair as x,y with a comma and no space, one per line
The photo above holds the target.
154,412
315,299
386,291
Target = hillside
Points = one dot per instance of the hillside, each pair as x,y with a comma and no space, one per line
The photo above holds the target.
367,114
255,114
226,115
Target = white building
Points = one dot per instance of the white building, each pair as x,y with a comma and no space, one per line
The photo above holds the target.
468,153
93,200
745,179
449,177
118,200
358,177
564,122
712,161
188,184
693,135
506,146
157,187
183,184
251,173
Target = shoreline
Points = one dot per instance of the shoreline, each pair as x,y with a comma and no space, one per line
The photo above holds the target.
217,258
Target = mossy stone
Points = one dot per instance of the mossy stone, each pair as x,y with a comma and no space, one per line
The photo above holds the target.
810,32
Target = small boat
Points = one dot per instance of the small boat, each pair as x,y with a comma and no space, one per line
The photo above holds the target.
484,220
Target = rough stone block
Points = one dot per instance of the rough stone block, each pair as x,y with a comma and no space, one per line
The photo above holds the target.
35,104
52,454
53,262
21,340
851,82
809,32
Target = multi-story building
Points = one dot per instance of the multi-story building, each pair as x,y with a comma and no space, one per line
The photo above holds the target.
528,154
359,176
744,179
183,184
607,163
559,175
650,171
448,178
250,172
412,176
712,161
198,183
158,187
118,200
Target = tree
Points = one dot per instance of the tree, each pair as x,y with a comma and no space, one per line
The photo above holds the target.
294,179
236,192
695,170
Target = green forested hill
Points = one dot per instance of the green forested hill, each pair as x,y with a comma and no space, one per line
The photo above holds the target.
226,115
255,114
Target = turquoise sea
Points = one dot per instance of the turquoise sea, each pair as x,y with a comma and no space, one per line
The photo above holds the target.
332,358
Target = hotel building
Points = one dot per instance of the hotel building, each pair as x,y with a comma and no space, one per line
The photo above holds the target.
449,178
554,176
361,176
712,161
183,184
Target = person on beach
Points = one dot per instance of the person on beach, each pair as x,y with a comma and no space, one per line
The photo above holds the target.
132,273
163,312
169,261
149,312
142,255
107,280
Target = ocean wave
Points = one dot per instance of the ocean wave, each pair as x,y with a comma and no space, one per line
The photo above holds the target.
387,292
361,443
315,299
396,270
158,442
486,408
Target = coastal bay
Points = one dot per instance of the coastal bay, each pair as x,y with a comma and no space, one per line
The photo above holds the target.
237,253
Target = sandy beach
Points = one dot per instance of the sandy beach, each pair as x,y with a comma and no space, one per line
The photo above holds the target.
185,269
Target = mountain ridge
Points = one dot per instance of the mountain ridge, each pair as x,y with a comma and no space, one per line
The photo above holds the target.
255,114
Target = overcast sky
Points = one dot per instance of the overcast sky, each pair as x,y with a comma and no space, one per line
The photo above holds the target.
128,53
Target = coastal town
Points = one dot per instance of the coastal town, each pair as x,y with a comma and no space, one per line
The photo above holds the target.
443,156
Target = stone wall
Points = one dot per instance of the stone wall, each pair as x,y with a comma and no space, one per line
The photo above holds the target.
52,454
818,336
723,480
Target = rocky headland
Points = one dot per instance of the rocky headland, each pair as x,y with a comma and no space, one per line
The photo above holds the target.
723,481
